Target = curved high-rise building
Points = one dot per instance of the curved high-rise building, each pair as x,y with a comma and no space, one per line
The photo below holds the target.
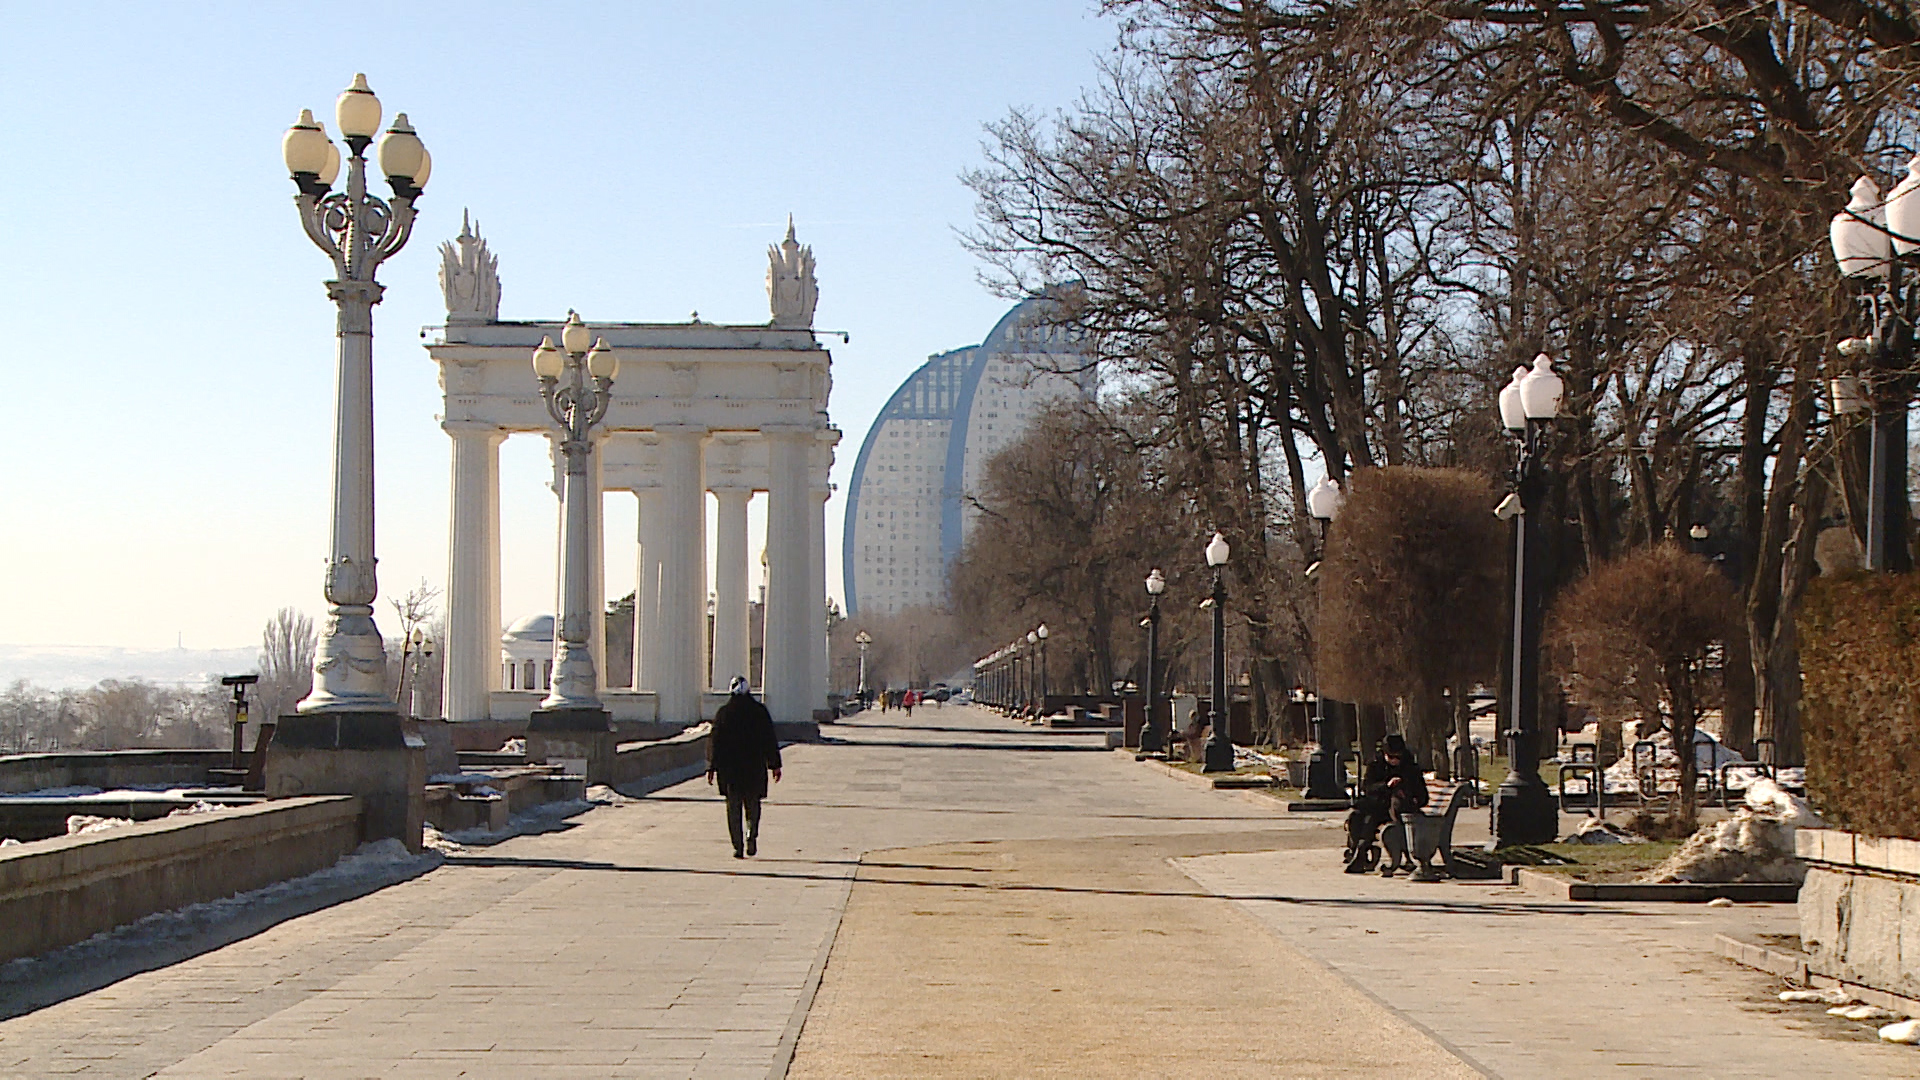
906,511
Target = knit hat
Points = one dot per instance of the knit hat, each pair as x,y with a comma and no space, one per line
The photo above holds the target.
738,687
1397,745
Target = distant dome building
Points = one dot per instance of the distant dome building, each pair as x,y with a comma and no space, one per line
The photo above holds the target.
906,515
526,654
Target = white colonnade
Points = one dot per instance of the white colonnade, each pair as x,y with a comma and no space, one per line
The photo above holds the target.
697,407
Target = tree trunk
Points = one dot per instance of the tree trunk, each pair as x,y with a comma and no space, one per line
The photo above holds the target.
1680,697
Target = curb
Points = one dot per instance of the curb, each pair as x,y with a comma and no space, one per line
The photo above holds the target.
1796,967
1560,887
1253,794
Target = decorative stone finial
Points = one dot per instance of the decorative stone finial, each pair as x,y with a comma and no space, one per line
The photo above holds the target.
469,277
791,290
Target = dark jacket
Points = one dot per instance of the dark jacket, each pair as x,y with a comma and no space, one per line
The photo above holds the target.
743,747
1412,792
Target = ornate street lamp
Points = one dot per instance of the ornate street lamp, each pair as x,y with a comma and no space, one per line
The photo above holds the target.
1874,244
576,405
1523,808
1033,670
1323,766
1151,741
1219,752
863,639
358,231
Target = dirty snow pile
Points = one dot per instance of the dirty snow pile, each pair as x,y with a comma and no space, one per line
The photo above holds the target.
1708,756
1754,845
1848,1007
82,824
1593,830
514,746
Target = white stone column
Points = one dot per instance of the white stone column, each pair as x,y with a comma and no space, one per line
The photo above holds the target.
788,665
683,573
730,648
817,593
472,648
646,592
597,562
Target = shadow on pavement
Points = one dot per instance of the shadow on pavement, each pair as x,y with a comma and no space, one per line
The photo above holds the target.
941,744
1332,840
1430,907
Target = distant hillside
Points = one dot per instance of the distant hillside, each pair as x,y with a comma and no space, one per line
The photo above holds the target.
59,667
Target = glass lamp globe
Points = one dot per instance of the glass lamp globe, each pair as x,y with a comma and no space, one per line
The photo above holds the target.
1903,210
546,360
1324,499
1032,637
1540,390
1156,582
1862,249
401,152
1042,631
1217,551
574,336
1513,415
602,363
331,170
304,147
425,170
357,111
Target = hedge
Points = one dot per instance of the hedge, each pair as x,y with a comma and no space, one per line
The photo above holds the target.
1860,701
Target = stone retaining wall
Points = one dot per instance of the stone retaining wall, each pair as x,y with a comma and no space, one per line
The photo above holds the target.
64,890
108,769
1860,908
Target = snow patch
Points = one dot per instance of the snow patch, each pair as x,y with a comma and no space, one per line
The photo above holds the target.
1871,1013
1754,845
1905,1031
1830,995
514,746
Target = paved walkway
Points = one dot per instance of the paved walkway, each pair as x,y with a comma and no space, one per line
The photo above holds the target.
1015,902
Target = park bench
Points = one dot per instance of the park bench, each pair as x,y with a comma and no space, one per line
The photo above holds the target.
1423,835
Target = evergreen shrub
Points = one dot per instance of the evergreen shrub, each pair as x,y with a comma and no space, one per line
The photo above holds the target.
1860,701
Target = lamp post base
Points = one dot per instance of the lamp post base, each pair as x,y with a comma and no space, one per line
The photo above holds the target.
1219,754
368,754
578,738
1323,776
1150,740
1524,813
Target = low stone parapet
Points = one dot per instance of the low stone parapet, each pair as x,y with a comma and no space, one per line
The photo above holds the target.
1860,908
640,767
64,890
109,769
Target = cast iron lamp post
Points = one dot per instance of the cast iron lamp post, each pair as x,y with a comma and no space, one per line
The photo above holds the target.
1867,236
1219,752
576,405
1323,766
1150,740
1523,808
1033,670
358,231
1041,632
863,639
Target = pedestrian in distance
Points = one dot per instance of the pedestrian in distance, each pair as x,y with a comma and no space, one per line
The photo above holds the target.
908,699
741,751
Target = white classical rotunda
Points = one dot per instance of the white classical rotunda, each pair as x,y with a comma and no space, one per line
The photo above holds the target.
526,654
697,408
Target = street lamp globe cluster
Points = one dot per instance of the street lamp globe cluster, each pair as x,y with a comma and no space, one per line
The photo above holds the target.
358,231
1875,242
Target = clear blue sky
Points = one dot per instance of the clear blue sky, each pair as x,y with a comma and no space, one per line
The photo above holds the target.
169,362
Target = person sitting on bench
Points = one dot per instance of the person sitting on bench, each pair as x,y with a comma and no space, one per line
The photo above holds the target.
1392,785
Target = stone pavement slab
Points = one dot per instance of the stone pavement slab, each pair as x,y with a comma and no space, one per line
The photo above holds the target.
1085,958
628,945
1528,987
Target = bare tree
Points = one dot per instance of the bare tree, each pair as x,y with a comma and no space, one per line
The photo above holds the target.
1633,638
286,663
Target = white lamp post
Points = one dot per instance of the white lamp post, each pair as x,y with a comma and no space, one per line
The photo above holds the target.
577,405
863,639
358,231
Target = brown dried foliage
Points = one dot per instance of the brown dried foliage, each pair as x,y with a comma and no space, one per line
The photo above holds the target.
1860,700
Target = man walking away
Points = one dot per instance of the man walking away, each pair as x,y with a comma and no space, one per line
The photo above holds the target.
741,751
